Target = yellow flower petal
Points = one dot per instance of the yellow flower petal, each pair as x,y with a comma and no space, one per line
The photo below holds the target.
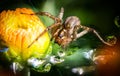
19,30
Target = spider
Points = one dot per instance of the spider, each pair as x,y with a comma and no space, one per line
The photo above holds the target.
65,32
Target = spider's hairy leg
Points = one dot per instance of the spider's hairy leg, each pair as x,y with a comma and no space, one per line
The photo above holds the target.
56,30
105,42
37,38
57,22
88,29
48,28
82,33
56,19
61,13
77,27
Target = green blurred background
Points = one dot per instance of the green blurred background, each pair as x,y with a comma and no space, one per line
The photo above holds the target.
98,14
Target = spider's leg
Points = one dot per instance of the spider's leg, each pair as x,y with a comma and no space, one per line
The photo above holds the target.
48,28
75,32
105,42
82,33
57,22
56,19
56,30
61,13
87,29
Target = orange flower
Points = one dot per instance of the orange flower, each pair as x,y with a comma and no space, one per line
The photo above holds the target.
18,30
107,60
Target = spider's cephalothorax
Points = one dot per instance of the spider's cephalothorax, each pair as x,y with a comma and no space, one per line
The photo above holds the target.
65,32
